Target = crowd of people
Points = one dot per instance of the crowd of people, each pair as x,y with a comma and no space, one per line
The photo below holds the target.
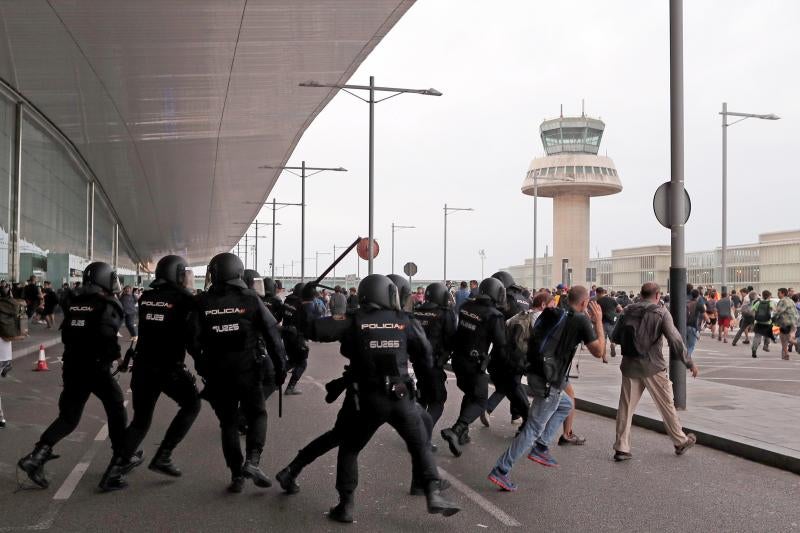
246,339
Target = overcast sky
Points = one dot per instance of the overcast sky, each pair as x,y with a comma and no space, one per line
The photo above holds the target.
503,68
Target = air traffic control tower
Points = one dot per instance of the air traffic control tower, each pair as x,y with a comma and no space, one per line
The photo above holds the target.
570,174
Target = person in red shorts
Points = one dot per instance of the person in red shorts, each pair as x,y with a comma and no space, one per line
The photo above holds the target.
724,316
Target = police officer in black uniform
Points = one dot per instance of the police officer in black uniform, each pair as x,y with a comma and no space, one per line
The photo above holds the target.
159,366
228,323
298,311
507,374
379,339
92,318
480,325
271,300
439,322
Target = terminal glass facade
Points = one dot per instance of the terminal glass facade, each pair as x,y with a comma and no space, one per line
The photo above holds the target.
60,228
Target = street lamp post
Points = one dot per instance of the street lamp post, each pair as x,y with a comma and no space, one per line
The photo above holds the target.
274,206
482,254
303,169
371,88
447,211
395,228
725,125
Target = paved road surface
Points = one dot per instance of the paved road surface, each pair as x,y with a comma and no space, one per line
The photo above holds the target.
657,491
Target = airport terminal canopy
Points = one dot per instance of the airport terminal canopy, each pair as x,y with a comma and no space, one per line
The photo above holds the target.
171,106
572,134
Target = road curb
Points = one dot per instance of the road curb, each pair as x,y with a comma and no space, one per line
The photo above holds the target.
28,350
718,442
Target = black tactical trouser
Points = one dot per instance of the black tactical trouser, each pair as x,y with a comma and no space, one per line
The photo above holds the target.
79,383
297,353
378,408
434,394
328,440
509,385
474,383
147,385
227,393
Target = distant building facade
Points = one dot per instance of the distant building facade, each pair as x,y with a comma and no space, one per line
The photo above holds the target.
772,262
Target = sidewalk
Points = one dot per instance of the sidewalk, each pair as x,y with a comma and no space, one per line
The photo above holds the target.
37,335
759,425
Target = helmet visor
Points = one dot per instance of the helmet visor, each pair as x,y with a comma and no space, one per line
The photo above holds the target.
258,286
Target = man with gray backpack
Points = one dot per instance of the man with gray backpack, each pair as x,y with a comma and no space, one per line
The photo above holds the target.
639,332
551,349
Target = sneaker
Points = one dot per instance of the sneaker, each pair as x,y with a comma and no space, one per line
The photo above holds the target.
746,341
237,484
622,456
572,438
502,480
485,419
292,391
733,343
754,355
766,348
542,456
6,370
516,420
691,440
2,422
725,340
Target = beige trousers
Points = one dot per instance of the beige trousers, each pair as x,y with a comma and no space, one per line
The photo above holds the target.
660,388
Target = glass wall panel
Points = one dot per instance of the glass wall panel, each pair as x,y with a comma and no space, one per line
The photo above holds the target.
7,117
103,231
53,203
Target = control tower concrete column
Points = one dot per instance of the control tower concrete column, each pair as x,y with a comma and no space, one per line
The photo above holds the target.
571,235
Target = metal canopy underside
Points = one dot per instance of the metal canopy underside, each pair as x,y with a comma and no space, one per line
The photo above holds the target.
174,104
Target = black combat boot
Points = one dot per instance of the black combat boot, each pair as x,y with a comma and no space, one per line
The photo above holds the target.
252,471
33,464
463,437
436,502
114,476
418,487
133,461
288,480
162,463
343,512
453,437
291,388
237,484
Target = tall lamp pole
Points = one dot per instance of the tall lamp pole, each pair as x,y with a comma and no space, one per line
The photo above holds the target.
725,125
303,169
395,228
274,206
447,211
371,89
482,254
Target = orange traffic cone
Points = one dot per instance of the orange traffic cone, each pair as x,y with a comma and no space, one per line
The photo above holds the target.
41,364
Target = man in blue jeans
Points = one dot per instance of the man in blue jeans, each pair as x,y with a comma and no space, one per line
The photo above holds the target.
550,405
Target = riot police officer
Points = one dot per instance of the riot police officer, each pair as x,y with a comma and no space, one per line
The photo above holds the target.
298,312
439,323
159,366
379,339
507,374
480,325
227,325
92,318
271,300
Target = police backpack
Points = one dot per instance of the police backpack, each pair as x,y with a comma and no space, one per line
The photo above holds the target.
13,318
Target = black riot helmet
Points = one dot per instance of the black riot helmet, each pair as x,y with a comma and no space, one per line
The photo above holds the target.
505,278
437,293
309,291
298,289
226,268
402,286
270,289
254,281
100,274
493,288
171,270
377,291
